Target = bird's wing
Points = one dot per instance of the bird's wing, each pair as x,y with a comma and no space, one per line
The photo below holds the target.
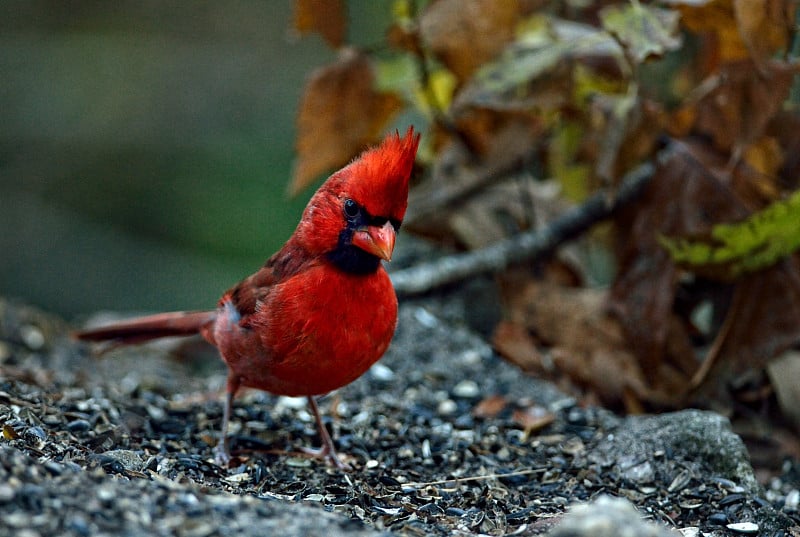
250,292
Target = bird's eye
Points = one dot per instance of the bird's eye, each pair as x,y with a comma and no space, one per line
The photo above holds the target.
351,208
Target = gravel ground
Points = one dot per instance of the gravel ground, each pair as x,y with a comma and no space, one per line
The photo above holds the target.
445,438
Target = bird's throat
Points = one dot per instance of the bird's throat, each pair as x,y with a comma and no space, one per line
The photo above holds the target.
353,260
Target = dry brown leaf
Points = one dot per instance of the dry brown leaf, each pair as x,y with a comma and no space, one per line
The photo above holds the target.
9,433
765,319
689,193
717,18
513,342
643,295
503,140
742,102
765,158
536,71
623,132
504,209
587,346
612,374
498,135
490,407
465,34
340,113
532,418
327,17
784,128
765,26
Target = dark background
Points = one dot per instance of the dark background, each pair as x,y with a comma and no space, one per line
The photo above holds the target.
145,146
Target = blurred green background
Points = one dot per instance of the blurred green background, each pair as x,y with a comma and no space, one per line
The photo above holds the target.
145,146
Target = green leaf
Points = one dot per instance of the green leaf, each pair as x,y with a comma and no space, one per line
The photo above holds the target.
759,241
542,47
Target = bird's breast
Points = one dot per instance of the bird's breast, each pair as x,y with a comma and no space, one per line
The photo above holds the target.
320,330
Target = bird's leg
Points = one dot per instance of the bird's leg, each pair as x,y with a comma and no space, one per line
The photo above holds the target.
328,451
222,451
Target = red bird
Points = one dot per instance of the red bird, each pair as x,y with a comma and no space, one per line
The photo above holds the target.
322,309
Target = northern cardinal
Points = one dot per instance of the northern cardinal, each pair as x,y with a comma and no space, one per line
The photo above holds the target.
322,309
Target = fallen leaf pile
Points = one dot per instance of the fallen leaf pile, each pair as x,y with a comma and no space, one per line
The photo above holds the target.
531,107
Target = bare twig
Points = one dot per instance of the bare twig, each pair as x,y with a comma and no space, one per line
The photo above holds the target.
528,245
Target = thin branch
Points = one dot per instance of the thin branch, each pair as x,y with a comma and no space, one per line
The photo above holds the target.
495,258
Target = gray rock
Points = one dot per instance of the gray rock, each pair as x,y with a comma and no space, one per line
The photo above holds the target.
608,517
699,441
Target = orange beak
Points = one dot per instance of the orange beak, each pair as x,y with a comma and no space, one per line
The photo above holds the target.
378,241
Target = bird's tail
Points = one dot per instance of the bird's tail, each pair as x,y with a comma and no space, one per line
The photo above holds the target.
140,329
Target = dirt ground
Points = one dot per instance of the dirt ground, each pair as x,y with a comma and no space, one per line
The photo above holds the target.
445,439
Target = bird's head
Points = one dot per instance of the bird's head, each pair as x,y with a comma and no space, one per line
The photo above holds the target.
354,217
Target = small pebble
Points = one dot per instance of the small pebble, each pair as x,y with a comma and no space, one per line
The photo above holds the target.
792,500
130,460
156,413
53,467
405,453
17,519
105,494
292,402
425,318
188,499
466,388
643,473
6,493
447,407
471,356
381,373
426,448
690,531
32,336
79,525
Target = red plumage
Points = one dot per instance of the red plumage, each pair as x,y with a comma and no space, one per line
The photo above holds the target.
322,309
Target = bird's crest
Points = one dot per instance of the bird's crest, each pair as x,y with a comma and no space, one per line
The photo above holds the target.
378,178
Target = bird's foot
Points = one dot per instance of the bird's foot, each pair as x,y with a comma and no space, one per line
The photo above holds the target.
222,454
329,455
328,451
